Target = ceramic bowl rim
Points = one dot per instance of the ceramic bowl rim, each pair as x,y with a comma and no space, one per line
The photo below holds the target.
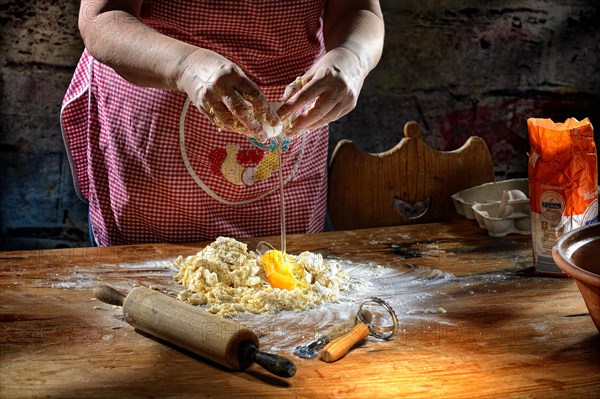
566,265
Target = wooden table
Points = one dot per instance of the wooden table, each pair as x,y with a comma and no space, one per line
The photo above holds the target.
503,333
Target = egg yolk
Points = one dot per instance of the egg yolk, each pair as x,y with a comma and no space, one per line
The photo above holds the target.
278,270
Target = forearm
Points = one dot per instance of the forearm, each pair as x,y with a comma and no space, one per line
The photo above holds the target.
353,32
356,26
117,38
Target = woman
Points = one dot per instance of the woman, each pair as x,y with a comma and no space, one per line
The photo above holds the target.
154,169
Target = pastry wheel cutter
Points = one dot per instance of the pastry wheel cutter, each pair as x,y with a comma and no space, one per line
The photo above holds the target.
367,321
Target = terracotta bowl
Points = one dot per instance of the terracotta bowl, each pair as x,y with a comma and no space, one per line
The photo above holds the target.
577,253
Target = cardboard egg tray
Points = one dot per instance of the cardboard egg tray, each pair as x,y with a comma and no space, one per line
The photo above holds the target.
500,207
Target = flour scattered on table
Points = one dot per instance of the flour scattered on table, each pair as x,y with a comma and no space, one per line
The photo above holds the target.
229,279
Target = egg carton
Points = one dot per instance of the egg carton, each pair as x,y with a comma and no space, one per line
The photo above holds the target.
501,207
488,192
498,223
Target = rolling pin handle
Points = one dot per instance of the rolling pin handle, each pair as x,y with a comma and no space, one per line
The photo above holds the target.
278,365
109,295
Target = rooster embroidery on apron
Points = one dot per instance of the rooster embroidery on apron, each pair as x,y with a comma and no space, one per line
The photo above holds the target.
242,163
246,166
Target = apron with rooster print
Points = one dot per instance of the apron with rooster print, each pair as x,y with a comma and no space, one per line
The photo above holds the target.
155,169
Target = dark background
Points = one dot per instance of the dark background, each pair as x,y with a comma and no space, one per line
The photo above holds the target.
459,68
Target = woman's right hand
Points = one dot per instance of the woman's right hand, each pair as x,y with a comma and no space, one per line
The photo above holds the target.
115,36
221,90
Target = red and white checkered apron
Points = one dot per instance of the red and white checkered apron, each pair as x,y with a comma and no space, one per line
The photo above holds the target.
124,140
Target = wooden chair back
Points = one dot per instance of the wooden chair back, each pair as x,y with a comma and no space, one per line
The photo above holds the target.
411,183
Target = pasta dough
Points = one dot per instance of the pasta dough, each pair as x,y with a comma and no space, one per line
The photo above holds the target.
229,279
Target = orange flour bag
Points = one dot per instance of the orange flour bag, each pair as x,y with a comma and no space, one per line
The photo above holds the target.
563,184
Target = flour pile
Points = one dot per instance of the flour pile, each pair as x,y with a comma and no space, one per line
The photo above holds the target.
229,279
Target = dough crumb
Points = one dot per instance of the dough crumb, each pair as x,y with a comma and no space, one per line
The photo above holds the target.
228,279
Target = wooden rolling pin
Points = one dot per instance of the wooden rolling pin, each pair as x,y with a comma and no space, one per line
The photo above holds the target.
221,340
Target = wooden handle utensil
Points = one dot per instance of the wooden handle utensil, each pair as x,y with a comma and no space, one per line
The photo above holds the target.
312,349
221,340
338,348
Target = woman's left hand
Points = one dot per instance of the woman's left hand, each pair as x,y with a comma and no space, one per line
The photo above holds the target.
332,86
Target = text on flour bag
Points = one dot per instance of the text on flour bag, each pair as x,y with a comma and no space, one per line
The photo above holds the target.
563,184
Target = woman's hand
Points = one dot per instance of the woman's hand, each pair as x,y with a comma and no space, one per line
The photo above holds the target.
332,86
353,32
222,91
115,36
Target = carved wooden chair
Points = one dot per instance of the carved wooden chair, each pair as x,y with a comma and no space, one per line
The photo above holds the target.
411,183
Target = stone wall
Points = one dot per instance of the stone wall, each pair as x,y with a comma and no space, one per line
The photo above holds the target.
459,68
463,68
38,205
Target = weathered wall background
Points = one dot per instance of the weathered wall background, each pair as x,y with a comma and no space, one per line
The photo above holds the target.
459,68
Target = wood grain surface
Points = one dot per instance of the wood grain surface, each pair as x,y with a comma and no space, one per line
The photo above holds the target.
503,332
